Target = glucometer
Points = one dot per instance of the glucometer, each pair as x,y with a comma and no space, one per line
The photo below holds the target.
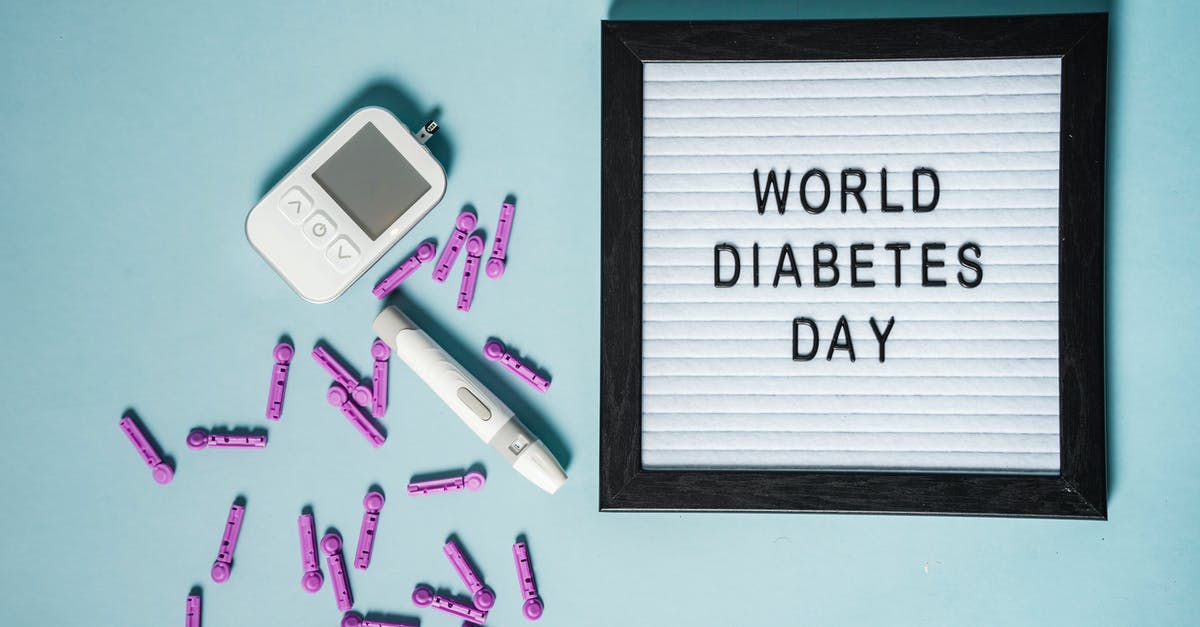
354,196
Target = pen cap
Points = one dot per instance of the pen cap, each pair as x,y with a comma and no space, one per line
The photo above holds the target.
539,466
388,323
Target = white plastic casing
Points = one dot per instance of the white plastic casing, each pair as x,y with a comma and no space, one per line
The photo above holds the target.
315,269
485,414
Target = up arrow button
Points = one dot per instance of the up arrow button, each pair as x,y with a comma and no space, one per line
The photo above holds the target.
343,254
296,205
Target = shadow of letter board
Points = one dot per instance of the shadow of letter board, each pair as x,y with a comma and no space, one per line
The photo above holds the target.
854,278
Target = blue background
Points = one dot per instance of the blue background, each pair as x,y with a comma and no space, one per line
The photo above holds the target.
137,135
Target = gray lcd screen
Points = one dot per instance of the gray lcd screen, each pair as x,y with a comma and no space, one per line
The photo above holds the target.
372,182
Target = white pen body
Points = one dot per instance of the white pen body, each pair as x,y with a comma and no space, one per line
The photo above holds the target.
485,414
478,408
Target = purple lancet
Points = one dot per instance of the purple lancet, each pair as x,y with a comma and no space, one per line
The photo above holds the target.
379,378
495,263
483,598
229,539
340,398
424,253
331,544
312,580
372,504
495,351
193,611
161,472
341,374
532,607
462,225
199,438
423,596
354,619
279,376
472,481
466,293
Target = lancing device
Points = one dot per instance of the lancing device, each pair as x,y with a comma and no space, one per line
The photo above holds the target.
489,418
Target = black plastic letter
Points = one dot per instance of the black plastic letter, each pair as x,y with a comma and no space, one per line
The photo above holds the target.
804,191
831,263
855,264
812,352
786,252
855,191
834,344
883,203
755,264
780,198
737,265
882,337
927,263
973,264
917,206
896,247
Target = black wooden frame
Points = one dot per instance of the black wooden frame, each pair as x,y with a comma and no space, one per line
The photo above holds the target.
1079,490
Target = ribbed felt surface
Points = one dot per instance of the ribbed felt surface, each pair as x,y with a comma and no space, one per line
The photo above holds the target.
970,376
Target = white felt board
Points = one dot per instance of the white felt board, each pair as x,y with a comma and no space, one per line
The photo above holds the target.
970,380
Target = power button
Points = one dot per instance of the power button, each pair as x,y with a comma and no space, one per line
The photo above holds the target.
319,229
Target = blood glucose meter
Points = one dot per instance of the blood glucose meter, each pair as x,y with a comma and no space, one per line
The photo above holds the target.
354,196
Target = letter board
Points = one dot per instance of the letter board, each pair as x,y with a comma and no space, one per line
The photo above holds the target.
851,264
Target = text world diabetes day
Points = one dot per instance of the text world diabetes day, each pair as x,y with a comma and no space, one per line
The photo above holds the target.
868,265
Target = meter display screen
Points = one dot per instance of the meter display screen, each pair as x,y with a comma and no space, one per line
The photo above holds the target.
371,181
